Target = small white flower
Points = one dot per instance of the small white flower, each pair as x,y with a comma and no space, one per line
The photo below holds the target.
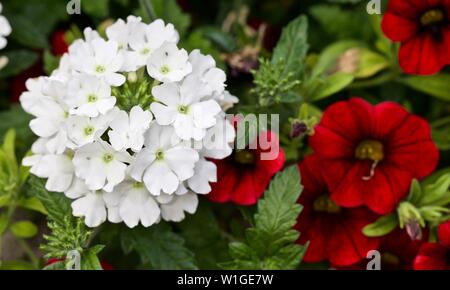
168,63
164,162
122,31
100,166
99,58
204,67
64,71
127,132
89,96
134,204
51,115
219,139
174,211
83,130
92,207
144,39
5,29
32,98
181,106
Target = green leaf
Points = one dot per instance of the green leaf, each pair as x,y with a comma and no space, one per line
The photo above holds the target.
24,229
370,63
60,265
437,86
211,248
440,132
437,193
415,192
221,39
97,8
331,85
329,56
292,47
57,205
32,203
89,258
168,10
383,226
33,21
158,247
270,244
18,61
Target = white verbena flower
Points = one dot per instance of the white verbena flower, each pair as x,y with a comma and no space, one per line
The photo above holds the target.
174,211
100,166
181,105
127,132
168,63
164,162
99,58
89,96
92,207
204,67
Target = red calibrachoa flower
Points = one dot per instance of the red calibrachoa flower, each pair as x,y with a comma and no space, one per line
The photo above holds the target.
370,154
423,28
397,252
334,232
244,176
435,256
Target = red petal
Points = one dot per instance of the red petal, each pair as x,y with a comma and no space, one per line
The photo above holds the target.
347,244
226,181
444,233
346,191
398,28
388,116
317,235
408,8
431,257
421,55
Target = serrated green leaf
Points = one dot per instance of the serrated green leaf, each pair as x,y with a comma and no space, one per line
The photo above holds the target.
381,227
89,258
292,47
159,247
270,244
56,204
24,229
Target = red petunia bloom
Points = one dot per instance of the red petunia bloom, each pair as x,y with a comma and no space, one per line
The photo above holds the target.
423,28
244,176
435,256
334,232
370,154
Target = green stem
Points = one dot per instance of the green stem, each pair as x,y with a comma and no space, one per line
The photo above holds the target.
26,248
148,8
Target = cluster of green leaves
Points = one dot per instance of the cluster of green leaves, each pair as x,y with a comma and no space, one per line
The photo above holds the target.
271,242
275,79
68,233
427,203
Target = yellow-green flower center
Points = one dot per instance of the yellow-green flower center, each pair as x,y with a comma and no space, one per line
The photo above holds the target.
244,157
369,150
108,157
325,204
164,70
432,17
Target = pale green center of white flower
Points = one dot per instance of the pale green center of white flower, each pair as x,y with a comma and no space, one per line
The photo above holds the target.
138,185
108,157
100,69
145,51
159,155
92,98
164,70
183,109
89,130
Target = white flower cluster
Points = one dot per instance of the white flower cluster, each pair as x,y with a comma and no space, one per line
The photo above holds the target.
126,125
5,29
